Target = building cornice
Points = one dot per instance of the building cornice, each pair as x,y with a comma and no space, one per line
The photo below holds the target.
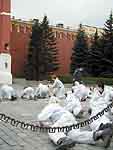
5,13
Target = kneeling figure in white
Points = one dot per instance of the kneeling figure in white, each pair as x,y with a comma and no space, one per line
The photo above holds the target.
58,87
42,91
28,93
73,103
7,92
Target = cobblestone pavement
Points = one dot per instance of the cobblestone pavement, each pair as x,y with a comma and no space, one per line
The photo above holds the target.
12,138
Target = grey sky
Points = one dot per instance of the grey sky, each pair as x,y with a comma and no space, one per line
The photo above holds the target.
69,12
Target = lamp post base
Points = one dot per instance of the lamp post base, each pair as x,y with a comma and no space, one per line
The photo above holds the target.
5,78
5,69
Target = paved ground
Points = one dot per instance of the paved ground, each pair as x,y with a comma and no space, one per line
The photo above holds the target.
12,138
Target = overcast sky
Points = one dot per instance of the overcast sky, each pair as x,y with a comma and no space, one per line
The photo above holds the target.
68,12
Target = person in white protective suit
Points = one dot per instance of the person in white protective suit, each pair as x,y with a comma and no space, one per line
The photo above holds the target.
72,103
58,87
100,100
57,116
75,85
42,91
7,92
28,93
81,91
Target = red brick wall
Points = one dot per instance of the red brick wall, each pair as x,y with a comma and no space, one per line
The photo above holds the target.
65,40
20,34
19,43
64,46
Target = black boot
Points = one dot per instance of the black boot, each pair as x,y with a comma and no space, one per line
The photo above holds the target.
65,143
104,126
13,98
97,135
105,134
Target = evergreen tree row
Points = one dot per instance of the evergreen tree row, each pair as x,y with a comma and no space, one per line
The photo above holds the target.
96,59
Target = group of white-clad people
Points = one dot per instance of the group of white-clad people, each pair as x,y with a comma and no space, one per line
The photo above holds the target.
57,115
31,93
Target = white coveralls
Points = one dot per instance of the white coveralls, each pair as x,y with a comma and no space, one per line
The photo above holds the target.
42,91
81,91
76,85
59,117
73,104
28,93
6,92
109,87
59,89
54,99
97,103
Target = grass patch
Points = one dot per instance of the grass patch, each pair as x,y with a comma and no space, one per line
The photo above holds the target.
88,80
93,80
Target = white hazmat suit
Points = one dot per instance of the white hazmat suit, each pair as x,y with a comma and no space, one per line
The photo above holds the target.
58,88
81,91
7,92
73,103
98,102
42,91
28,93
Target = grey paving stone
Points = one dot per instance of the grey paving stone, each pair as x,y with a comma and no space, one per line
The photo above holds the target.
8,140
1,142
5,147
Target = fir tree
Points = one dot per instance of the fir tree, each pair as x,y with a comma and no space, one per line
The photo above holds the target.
107,45
32,69
79,51
95,56
49,48
42,55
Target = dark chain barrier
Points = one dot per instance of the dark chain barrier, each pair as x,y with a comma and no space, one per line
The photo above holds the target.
36,128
